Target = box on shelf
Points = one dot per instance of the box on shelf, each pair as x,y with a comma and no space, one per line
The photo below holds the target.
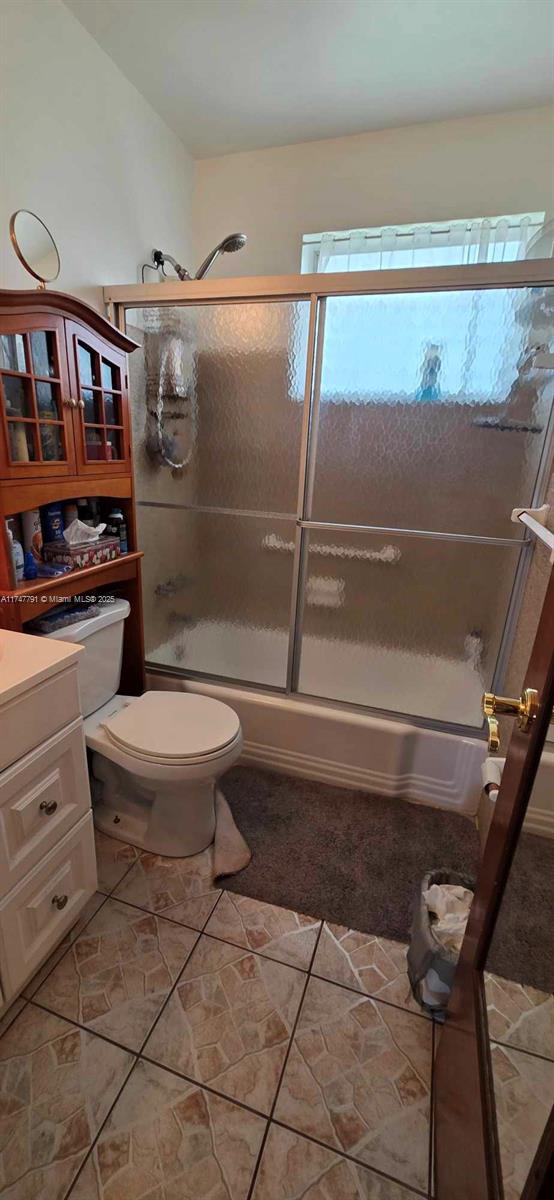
82,554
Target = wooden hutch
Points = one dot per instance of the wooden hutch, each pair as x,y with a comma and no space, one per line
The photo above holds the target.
65,434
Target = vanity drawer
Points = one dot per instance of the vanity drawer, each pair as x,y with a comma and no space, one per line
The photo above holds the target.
41,798
36,714
38,911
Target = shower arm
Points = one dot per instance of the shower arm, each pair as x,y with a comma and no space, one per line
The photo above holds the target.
160,259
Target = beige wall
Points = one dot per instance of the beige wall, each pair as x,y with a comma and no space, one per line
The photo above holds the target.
80,146
480,166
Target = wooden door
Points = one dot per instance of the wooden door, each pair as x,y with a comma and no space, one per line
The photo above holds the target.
466,1149
101,414
36,426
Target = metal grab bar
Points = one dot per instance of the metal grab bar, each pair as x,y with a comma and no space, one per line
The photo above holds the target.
389,554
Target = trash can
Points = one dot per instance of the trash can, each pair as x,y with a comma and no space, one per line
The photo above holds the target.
431,965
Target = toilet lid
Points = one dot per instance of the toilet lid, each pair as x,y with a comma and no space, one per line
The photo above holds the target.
173,726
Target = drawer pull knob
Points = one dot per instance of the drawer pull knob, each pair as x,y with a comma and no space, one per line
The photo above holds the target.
59,901
48,807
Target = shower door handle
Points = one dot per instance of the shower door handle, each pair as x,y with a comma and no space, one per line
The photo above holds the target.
525,710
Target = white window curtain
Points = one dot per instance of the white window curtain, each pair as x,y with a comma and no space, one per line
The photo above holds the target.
455,243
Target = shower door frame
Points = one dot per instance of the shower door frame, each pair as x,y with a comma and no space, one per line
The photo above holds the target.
317,289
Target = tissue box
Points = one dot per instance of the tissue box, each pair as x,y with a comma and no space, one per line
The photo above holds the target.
82,554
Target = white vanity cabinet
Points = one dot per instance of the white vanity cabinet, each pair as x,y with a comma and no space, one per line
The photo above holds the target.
47,856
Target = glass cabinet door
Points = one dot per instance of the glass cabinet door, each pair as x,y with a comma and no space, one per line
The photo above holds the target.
35,405
99,388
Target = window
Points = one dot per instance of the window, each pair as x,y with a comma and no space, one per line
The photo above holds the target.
447,243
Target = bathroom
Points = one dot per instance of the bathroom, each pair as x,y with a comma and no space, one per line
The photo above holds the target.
296,611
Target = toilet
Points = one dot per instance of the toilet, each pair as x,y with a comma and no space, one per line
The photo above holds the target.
156,758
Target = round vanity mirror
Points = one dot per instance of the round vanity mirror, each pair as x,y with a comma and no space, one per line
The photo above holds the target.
34,245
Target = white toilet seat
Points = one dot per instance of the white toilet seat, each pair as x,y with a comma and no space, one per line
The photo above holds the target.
100,726
173,729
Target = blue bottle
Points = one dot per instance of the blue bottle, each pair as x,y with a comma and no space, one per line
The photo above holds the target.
30,566
51,520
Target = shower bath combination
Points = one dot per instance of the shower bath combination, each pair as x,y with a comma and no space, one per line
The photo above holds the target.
229,245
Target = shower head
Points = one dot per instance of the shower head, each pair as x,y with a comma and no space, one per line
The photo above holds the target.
229,245
233,242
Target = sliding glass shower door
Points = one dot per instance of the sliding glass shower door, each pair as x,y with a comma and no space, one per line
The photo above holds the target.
218,394
430,415
324,488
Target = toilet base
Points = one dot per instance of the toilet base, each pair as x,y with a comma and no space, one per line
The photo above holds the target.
175,821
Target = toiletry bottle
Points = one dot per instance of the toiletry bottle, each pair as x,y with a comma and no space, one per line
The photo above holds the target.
32,533
51,519
94,505
17,556
116,527
70,513
84,511
9,535
30,566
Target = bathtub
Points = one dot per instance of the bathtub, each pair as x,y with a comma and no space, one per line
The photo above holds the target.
320,740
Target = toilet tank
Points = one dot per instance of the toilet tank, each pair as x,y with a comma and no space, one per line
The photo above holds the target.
99,668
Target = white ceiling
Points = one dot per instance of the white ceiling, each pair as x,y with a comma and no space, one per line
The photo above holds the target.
232,75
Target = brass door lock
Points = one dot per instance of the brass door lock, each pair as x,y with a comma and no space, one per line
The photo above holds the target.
524,710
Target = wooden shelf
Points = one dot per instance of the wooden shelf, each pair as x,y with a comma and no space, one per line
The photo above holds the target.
37,596
19,495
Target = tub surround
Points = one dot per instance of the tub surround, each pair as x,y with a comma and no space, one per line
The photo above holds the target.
47,859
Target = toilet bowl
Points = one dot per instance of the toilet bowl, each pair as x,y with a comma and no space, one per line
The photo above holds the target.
156,758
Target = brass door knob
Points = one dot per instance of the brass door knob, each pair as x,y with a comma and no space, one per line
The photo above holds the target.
60,901
524,710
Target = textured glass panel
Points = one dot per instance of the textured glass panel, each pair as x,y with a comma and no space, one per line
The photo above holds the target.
17,396
22,442
408,624
51,442
42,348
432,413
46,394
12,352
216,598
230,381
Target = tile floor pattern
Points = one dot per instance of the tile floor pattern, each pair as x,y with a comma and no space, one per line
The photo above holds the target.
524,1095
367,964
175,1019
520,1016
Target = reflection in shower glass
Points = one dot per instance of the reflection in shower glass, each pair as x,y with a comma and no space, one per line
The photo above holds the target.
408,624
216,599
433,415
219,389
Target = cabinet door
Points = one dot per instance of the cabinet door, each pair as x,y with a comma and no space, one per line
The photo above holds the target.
99,386
36,427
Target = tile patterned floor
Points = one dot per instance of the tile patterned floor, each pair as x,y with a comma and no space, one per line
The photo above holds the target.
368,964
358,1078
188,1044
229,1022
278,933
113,859
168,1138
57,1084
116,975
520,1016
293,1167
524,1095
178,888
